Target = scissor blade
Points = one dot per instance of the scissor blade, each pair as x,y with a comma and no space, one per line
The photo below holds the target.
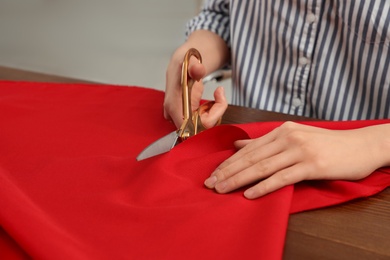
162,145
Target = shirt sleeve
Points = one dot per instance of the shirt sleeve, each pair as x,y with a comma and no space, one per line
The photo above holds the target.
214,17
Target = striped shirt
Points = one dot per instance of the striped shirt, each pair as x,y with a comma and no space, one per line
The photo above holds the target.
326,59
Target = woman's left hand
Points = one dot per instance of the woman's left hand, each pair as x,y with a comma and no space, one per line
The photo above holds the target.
295,152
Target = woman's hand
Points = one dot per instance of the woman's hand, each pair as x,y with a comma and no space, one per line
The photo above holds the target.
173,93
294,152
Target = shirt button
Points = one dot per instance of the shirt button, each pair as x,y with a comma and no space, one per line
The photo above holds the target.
296,102
303,60
311,18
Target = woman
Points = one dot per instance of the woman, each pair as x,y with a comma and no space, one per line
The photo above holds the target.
323,59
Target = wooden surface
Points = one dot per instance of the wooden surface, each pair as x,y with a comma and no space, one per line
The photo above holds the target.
355,230
21,75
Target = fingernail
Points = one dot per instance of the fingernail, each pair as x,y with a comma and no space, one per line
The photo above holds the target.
221,187
250,194
210,182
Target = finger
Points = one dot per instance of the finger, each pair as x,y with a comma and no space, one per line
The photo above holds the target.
210,118
173,93
173,112
262,169
252,146
176,117
196,94
220,99
282,178
239,144
173,108
247,160
196,70
166,115
264,146
219,96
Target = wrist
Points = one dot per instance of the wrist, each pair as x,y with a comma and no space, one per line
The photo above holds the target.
379,137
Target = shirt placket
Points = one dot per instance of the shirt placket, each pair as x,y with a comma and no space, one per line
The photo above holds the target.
305,56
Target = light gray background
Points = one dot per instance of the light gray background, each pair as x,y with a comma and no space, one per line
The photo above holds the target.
125,42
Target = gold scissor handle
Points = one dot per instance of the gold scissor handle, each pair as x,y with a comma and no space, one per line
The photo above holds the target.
205,107
187,128
192,124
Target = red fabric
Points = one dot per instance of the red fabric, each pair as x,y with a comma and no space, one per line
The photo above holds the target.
70,187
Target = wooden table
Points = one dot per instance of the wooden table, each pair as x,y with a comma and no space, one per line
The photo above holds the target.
354,230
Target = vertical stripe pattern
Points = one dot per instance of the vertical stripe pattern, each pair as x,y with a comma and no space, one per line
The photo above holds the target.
327,59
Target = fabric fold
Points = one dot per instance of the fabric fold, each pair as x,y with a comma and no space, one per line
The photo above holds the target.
71,188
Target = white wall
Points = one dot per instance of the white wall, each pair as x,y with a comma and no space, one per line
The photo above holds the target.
113,41
126,42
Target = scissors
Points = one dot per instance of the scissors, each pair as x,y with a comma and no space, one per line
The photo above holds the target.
192,123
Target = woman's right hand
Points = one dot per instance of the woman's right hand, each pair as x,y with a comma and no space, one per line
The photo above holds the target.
173,93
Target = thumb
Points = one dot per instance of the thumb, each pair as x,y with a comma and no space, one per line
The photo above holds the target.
196,70
242,143
211,117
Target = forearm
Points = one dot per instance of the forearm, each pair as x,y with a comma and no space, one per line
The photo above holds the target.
215,53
